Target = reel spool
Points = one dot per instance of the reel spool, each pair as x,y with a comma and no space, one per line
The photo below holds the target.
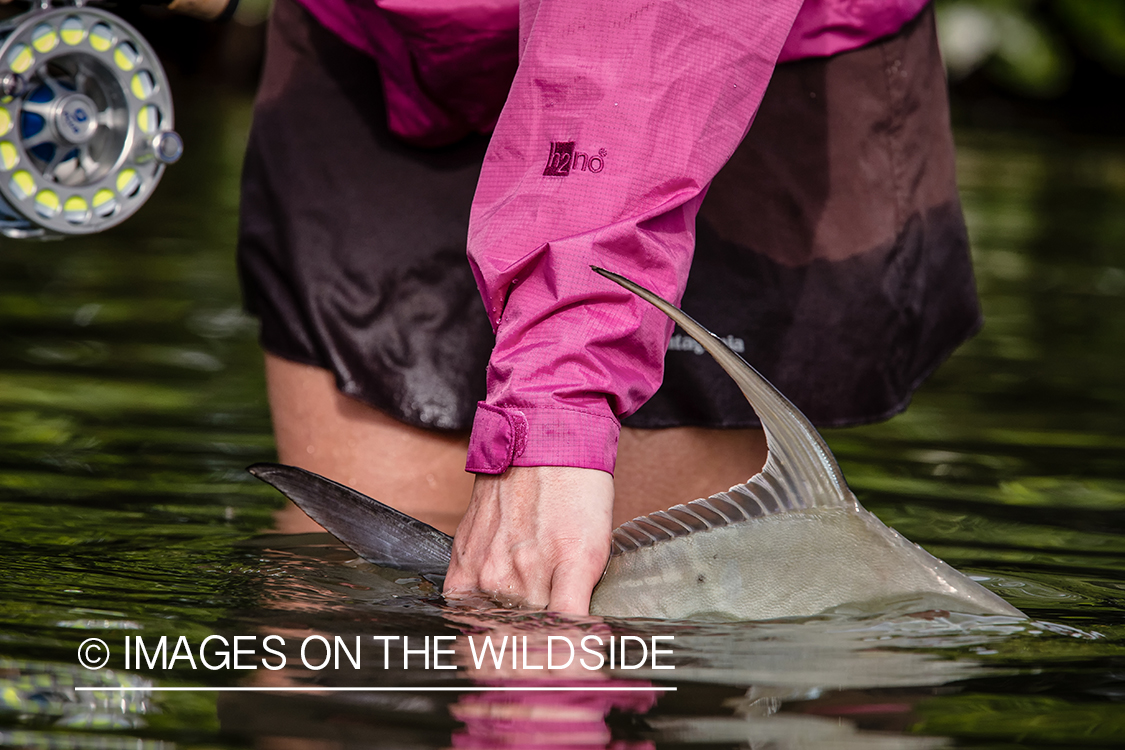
85,122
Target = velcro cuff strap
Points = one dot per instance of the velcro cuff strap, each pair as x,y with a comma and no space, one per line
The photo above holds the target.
499,438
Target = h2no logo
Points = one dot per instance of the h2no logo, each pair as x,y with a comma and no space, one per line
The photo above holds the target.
563,158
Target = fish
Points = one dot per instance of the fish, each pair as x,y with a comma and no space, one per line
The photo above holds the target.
791,541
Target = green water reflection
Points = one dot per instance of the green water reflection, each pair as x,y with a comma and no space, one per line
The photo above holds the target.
131,400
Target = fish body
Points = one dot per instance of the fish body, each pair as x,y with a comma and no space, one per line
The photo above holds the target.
792,541
802,563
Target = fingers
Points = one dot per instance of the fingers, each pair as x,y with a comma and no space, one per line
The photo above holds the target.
536,537
571,589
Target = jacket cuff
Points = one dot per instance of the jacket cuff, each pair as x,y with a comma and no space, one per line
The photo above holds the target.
541,436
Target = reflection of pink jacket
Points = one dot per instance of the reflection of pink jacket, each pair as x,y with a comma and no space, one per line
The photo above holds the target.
620,114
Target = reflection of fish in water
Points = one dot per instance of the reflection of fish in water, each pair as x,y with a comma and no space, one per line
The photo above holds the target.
791,541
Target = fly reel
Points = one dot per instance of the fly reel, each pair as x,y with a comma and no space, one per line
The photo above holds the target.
85,122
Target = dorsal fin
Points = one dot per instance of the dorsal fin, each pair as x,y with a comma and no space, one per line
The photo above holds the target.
800,470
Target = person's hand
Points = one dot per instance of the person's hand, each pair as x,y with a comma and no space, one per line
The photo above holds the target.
536,537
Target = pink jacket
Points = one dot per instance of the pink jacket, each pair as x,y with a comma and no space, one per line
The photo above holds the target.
620,114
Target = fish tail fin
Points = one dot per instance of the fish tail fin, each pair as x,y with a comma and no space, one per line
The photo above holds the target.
376,532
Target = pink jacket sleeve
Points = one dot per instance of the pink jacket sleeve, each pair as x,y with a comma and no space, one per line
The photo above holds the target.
620,114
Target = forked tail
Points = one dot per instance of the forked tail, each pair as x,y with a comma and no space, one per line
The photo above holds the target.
376,532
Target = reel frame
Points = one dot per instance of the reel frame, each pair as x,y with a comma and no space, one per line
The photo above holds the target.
86,121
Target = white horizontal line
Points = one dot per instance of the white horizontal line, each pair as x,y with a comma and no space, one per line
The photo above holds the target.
320,689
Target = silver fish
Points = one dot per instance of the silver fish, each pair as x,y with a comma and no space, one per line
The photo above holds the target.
791,541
